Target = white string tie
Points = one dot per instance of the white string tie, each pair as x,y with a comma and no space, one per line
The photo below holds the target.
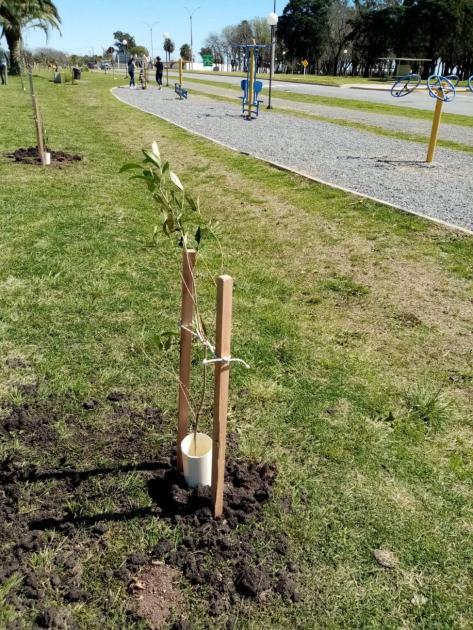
226,360
204,341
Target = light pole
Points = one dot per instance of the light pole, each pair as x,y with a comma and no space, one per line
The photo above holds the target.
151,36
272,21
166,36
191,15
345,68
125,44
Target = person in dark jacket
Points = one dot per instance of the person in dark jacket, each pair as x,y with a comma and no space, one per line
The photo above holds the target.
131,71
159,71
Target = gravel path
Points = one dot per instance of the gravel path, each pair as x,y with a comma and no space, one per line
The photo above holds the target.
386,168
463,135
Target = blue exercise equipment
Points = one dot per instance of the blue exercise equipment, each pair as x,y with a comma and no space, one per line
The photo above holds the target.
454,79
441,88
405,85
257,87
250,86
180,91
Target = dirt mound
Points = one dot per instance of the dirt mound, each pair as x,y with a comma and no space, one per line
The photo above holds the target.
225,560
222,559
30,156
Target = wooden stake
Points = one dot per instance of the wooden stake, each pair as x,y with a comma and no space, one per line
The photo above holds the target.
187,312
435,131
37,120
222,380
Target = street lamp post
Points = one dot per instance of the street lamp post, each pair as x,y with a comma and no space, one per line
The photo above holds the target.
125,44
151,36
191,15
272,21
345,53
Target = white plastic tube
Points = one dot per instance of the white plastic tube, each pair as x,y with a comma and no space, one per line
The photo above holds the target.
197,459
47,158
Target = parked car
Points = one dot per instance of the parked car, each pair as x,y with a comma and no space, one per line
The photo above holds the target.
92,65
105,65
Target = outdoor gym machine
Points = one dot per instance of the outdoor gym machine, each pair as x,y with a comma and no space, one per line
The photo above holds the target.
250,86
180,91
443,89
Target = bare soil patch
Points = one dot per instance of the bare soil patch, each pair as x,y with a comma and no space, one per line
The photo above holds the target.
224,561
30,156
156,595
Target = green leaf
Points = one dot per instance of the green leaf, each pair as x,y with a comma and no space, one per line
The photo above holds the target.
129,167
150,157
176,181
147,179
155,149
198,235
194,206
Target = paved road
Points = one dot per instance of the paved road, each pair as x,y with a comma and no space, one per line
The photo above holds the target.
463,104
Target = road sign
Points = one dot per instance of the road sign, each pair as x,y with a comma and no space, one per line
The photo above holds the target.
208,60
305,63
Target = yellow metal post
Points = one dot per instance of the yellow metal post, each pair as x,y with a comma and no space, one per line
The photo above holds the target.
252,82
435,131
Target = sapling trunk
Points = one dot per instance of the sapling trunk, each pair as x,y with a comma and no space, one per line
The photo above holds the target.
201,405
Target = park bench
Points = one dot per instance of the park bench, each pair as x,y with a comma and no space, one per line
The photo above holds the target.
180,91
257,87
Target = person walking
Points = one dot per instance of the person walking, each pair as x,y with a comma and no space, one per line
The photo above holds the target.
131,71
159,71
3,65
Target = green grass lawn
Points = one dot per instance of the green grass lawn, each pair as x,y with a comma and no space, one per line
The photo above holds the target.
357,323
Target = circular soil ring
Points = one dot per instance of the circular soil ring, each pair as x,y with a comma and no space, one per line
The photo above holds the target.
30,156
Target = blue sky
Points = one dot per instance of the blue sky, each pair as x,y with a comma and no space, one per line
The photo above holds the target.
89,24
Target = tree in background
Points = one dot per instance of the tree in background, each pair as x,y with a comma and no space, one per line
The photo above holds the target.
304,28
376,32
186,52
16,15
169,48
139,51
432,30
51,56
119,37
322,30
338,36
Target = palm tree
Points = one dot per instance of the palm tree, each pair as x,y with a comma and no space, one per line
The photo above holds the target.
15,15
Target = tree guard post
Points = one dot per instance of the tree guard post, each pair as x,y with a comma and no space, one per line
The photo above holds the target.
187,313
222,380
